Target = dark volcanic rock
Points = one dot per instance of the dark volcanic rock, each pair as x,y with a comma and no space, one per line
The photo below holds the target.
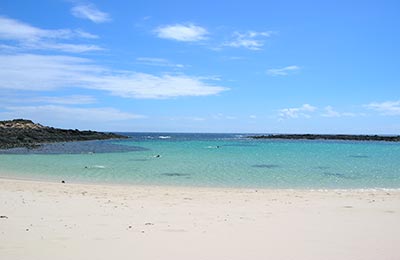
25,133
329,137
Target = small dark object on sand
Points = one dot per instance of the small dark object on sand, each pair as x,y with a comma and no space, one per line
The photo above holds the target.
62,181
3,217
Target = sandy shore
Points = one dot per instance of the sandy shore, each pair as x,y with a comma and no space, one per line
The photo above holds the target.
74,221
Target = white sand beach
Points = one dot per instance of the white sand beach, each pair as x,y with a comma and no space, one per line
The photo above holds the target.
43,220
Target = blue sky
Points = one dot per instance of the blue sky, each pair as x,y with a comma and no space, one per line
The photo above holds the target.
204,66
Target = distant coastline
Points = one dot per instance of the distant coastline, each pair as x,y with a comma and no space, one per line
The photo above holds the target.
25,133
329,137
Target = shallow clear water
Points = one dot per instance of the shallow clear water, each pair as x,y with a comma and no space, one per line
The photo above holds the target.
219,160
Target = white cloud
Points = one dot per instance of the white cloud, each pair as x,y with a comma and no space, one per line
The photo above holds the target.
11,98
42,72
8,48
60,113
221,116
66,100
198,118
142,85
250,40
66,47
231,117
190,118
330,112
157,62
182,32
253,116
235,58
11,29
29,37
84,34
391,108
297,112
283,71
90,12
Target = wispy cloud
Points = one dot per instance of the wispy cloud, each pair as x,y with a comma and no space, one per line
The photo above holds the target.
283,71
60,100
221,116
306,111
391,108
11,29
251,40
67,47
157,62
43,72
182,32
187,118
84,34
297,112
90,12
29,37
59,113
142,85
330,112
64,100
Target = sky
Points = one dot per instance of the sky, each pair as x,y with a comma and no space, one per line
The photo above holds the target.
202,66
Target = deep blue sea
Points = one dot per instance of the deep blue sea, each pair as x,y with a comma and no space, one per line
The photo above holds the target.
211,160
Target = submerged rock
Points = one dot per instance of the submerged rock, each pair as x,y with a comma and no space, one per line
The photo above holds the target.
339,175
358,156
268,166
175,174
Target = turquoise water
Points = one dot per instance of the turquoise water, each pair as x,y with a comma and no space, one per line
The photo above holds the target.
222,160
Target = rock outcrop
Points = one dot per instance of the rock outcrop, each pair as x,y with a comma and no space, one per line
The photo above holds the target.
25,133
329,137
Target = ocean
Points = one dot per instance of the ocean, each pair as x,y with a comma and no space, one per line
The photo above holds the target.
210,160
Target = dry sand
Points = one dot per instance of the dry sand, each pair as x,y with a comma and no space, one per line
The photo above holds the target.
75,221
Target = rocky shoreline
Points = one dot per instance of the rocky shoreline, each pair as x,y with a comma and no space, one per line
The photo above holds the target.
329,137
25,133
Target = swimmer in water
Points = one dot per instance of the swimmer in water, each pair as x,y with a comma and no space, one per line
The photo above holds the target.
157,156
